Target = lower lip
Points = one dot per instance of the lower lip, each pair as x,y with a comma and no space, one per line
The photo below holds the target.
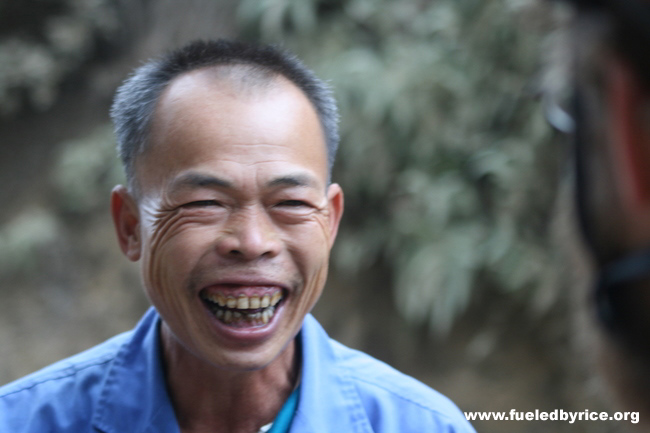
245,335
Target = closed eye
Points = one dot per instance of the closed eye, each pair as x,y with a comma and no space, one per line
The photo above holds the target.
202,203
292,203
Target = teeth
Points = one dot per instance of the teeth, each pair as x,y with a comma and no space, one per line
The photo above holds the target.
232,310
258,318
242,303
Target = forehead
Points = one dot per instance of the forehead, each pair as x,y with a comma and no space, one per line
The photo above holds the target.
211,116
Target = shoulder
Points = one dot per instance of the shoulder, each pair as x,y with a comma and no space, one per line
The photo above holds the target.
395,400
59,391
87,362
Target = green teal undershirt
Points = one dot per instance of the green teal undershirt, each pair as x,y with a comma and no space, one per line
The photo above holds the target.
282,422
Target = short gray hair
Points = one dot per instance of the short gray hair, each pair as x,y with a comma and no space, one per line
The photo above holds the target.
136,99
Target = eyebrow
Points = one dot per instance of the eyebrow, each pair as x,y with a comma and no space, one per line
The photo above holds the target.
293,180
200,180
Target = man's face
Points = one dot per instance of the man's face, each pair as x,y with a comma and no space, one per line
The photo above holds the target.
236,219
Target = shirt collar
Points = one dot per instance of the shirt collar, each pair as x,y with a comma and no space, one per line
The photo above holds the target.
134,396
323,378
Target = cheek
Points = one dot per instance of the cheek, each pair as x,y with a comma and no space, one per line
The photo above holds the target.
309,247
310,241
174,247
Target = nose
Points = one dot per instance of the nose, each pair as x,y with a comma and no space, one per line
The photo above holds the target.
249,235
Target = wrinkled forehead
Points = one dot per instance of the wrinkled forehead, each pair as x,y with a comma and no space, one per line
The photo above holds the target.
217,89
215,112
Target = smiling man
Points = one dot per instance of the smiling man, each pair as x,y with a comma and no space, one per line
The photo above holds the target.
230,211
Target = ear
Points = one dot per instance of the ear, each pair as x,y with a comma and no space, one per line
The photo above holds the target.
629,127
335,203
126,219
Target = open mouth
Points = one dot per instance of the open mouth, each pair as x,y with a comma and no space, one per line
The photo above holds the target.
241,310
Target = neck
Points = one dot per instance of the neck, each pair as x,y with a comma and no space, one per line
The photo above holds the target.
207,398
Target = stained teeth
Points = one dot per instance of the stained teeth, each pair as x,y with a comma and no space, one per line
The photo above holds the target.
221,300
234,309
242,303
258,318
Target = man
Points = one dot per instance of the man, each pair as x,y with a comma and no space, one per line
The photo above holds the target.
609,42
229,208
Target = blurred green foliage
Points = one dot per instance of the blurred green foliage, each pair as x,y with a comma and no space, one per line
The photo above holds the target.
85,171
448,166
24,237
43,43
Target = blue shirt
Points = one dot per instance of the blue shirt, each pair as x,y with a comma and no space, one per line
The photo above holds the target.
119,387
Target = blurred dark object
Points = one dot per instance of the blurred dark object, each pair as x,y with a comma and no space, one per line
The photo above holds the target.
631,20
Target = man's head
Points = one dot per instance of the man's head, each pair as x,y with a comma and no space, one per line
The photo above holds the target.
251,65
610,78
611,107
234,216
